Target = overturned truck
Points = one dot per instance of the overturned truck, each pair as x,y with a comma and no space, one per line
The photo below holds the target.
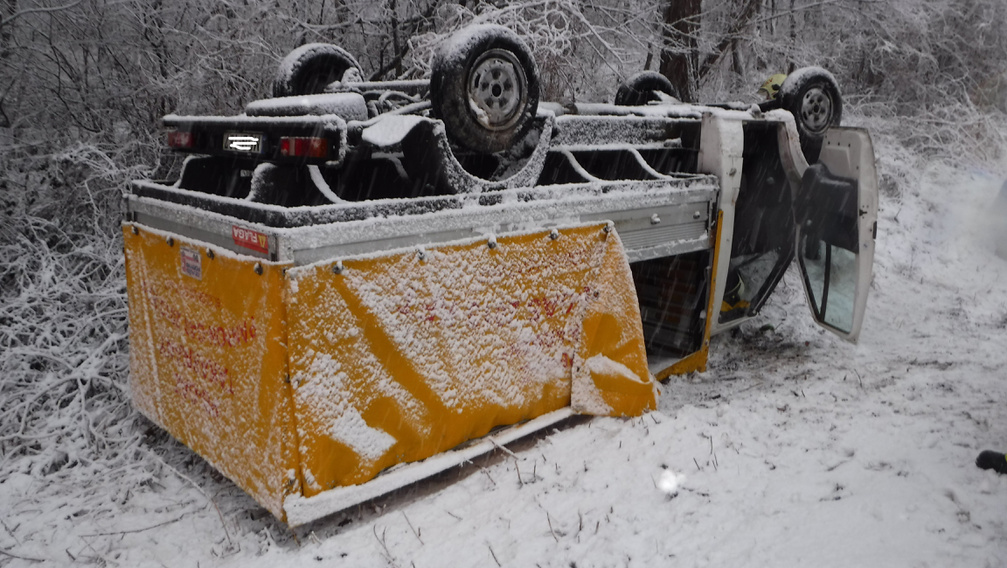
353,285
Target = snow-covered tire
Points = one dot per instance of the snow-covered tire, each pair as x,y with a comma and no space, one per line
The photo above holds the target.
811,94
485,87
639,89
309,68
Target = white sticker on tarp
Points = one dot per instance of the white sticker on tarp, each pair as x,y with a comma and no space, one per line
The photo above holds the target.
192,263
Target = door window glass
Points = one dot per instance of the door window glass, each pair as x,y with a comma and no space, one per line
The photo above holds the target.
831,274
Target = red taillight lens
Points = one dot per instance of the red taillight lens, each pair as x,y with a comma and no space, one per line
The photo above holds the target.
178,139
303,147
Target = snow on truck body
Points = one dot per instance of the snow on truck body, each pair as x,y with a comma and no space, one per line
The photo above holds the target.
334,288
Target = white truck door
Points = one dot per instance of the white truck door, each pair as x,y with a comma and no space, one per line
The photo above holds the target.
837,210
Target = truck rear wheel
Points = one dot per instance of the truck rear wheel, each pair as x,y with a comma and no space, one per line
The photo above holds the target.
485,87
812,96
308,69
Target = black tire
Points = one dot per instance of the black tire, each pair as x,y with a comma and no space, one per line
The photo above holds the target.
639,89
485,87
812,95
308,69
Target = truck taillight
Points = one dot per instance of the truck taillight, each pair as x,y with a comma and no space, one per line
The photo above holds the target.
179,139
304,147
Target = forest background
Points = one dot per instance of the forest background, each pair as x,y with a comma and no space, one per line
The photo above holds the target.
83,85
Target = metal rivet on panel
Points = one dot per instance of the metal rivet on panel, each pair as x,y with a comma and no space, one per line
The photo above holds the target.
209,254
171,242
337,268
554,234
258,268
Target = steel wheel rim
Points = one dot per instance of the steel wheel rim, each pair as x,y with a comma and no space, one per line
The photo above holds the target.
816,109
497,90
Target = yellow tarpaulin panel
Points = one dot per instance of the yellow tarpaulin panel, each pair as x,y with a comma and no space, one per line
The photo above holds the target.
208,360
396,358
391,358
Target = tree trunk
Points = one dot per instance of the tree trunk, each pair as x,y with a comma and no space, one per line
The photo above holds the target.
793,37
680,49
7,9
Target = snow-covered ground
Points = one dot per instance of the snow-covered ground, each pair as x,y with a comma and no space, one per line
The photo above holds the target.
793,449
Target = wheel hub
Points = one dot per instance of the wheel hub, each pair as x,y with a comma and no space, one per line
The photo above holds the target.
497,89
816,109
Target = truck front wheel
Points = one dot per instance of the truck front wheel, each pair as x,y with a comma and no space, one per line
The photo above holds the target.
812,95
